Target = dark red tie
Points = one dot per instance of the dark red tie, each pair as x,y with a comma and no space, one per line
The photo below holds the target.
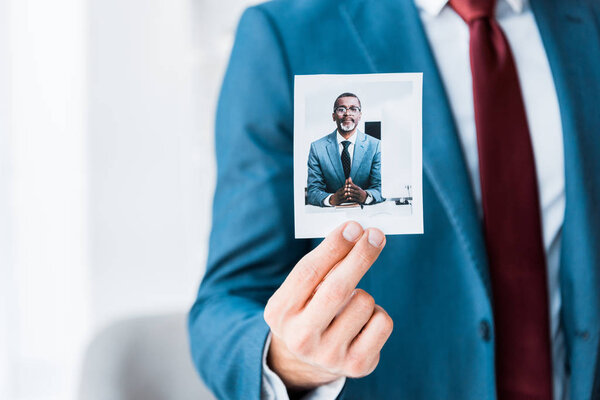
511,211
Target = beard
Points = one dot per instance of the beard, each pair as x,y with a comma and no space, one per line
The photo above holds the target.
347,126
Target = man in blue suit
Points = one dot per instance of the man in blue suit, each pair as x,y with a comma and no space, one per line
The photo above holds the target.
437,288
344,162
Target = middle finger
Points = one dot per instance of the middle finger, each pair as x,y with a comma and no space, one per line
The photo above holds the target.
339,284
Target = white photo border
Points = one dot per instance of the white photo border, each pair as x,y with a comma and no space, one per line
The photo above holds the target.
318,225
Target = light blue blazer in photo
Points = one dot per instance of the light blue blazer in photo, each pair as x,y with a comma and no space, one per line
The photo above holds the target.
435,286
326,174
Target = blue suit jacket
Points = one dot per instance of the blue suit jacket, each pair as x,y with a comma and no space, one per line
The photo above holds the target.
435,286
326,174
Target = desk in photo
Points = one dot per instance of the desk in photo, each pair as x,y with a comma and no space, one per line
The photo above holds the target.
388,207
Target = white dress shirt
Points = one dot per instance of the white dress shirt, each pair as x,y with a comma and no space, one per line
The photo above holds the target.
448,36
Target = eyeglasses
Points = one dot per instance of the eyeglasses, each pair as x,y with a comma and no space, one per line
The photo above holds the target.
342,110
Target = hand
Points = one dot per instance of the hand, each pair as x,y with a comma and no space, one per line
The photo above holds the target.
323,328
354,192
338,197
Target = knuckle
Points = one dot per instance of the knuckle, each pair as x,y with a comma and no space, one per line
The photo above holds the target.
328,245
335,293
300,342
308,272
384,321
373,364
357,365
328,359
365,258
270,313
364,300
325,252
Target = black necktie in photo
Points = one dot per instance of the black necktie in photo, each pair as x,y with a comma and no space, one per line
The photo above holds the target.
346,158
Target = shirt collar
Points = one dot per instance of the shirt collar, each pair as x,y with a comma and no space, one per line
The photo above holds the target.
434,7
351,139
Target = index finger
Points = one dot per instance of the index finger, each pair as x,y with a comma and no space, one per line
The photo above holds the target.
300,284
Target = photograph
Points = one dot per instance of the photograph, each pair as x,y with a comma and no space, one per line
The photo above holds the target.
299,199
357,152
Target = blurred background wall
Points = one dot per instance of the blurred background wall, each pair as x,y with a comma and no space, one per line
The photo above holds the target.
106,172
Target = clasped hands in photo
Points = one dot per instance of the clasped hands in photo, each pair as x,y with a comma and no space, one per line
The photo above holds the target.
349,193
322,327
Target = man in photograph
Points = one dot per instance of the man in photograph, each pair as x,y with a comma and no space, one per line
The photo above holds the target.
345,165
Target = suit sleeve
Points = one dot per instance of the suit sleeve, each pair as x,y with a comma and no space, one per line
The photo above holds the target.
375,176
252,246
316,181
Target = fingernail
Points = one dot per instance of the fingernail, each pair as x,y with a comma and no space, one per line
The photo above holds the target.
352,232
375,237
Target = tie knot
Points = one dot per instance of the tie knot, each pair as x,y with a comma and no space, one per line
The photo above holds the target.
470,10
346,143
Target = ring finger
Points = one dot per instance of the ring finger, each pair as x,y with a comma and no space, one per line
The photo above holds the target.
353,317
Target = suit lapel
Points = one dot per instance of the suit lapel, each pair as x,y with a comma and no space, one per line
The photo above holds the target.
359,153
392,39
334,157
570,36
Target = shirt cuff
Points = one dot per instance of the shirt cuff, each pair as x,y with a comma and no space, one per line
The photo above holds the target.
326,202
369,199
273,387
